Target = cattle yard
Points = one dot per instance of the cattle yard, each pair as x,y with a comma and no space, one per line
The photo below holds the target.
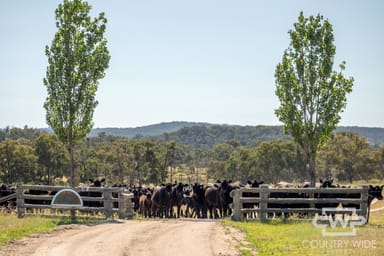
96,202
285,212
221,199
265,202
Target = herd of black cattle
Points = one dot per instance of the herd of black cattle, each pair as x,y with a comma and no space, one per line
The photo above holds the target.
202,200
214,200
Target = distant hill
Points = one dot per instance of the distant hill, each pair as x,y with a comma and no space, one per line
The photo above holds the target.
146,131
204,135
375,136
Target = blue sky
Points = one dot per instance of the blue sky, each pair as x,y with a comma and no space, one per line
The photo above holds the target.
182,60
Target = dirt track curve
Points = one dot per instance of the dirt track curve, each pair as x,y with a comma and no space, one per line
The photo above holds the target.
146,238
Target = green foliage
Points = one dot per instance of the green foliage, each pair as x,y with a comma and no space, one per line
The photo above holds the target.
204,137
347,157
77,58
52,157
277,161
18,161
148,130
311,94
375,136
185,132
15,133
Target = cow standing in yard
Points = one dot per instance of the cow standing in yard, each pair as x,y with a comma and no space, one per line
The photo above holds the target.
373,192
212,200
187,204
284,207
161,200
176,199
327,184
224,190
36,192
252,184
198,200
95,184
145,203
6,190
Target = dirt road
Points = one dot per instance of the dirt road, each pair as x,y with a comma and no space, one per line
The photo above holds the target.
147,238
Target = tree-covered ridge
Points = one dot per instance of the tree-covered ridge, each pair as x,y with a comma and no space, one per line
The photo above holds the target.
206,137
148,130
201,135
374,135
32,156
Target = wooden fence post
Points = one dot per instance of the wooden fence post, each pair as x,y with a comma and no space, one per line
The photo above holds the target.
364,203
237,215
263,204
121,204
20,200
107,194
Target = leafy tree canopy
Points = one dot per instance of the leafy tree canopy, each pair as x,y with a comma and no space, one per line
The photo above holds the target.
77,58
312,95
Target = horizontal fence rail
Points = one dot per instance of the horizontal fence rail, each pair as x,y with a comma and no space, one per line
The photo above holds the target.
258,203
111,200
7,198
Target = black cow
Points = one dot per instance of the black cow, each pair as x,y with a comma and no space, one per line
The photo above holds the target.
252,184
115,195
37,192
212,200
176,199
373,192
327,184
188,202
161,200
136,191
285,205
198,200
225,188
6,190
95,184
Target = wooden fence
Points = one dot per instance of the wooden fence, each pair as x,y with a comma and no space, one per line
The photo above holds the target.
110,197
243,197
7,198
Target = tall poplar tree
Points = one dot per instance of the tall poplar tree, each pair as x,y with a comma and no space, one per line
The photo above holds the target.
77,58
312,95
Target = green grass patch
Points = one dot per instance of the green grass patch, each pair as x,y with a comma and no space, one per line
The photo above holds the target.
14,228
291,237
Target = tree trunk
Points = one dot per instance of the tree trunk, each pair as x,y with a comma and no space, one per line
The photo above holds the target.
49,176
71,166
350,175
312,169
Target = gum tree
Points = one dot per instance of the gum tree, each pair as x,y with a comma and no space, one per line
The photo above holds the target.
312,95
77,60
